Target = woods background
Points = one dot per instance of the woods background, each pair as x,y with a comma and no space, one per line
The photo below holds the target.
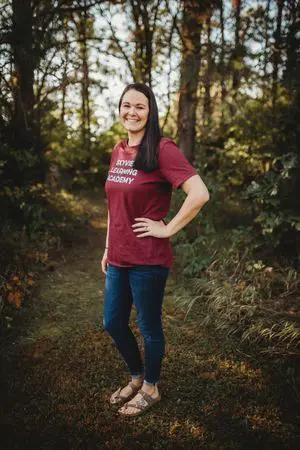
227,79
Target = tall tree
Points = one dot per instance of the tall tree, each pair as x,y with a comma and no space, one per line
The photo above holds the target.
266,38
222,59
144,16
277,51
238,47
64,84
23,130
84,29
207,107
194,14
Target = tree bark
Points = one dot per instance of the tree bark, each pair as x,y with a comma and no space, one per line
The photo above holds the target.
222,61
207,107
65,74
145,25
23,131
266,39
236,57
85,86
277,52
189,76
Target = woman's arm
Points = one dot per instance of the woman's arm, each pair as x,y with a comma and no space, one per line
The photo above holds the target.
197,196
104,257
107,232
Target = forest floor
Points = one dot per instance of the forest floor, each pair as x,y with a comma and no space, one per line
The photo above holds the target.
59,368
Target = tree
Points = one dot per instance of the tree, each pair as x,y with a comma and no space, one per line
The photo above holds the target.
207,107
194,15
277,51
24,133
238,48
222,61
144,16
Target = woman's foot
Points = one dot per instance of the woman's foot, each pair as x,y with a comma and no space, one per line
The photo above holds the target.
122,395
142,401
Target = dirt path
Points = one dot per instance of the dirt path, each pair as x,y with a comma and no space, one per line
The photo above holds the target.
60,369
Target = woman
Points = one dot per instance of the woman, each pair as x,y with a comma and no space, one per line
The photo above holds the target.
138,254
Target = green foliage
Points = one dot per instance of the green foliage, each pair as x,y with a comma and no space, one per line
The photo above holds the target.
269,196
226,280
255,157
77,166
20,167
25,205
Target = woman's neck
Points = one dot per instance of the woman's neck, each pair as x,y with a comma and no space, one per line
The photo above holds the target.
135,138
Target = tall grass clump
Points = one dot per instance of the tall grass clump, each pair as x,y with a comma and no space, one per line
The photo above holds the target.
241,296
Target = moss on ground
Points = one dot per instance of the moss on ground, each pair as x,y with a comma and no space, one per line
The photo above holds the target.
59,369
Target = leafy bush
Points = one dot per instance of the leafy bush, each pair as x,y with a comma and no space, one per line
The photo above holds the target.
275,211
255,157
75,165
226,281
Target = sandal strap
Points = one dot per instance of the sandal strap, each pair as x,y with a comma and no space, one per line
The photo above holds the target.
133,386
138,405
149,399
134,389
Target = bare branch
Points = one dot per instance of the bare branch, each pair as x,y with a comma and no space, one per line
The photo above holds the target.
39,91
117,41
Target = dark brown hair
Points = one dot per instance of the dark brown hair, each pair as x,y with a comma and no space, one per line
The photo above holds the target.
147,156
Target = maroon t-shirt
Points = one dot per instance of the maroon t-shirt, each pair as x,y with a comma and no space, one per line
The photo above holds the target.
133,193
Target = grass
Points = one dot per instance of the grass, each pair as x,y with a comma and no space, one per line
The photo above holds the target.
60,368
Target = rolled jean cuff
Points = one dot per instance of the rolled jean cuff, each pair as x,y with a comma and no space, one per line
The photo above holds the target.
137,375
151,383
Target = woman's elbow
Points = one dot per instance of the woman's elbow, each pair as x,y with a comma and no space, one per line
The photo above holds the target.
207,197
203,198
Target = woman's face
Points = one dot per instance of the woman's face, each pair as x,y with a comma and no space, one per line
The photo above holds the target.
134,111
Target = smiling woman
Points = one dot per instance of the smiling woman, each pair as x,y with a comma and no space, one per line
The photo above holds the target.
138,255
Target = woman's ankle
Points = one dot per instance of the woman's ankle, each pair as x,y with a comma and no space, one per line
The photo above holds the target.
137,379
150,387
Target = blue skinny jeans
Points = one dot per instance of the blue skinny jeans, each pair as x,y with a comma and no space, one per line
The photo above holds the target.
142,286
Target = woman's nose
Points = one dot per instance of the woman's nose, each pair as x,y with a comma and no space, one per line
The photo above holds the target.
132,111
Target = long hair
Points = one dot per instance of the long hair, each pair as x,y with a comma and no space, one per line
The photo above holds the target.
147,156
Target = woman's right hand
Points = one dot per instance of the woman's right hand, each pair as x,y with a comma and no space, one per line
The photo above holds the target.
104,262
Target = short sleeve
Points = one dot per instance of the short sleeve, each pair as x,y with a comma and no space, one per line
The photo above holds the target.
173,165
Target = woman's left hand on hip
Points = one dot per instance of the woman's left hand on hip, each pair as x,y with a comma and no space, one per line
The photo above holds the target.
150,227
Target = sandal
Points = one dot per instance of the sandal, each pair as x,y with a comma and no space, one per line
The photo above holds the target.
141,405
117,399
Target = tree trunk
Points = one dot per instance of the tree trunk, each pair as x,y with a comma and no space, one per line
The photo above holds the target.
189,76
236,57
23,130
222,62
145,25
85,88
65,75
277,51
266,39
207,108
